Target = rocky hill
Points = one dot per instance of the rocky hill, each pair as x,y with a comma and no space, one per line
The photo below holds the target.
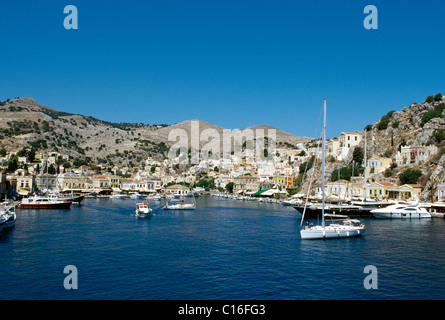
418,125
26,123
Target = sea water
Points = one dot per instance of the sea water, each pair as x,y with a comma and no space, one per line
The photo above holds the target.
225,249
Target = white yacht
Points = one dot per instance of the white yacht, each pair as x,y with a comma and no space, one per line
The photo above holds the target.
401,211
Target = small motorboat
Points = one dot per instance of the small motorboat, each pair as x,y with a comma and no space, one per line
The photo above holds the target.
143,210
179,206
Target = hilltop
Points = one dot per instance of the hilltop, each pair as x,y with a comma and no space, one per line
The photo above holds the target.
27,123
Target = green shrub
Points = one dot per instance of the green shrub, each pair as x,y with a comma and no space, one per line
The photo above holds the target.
410,176
429,99
435,113
384,121
395,125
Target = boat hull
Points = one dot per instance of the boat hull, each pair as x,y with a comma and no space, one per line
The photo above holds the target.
179,207
390,215
61,205
143,214
318,232
10,222
315,212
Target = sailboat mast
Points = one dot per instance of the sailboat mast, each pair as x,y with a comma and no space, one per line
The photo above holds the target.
47,182
366,185
323,160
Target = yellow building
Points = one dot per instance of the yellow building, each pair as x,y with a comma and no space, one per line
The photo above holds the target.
405,192
283,181
380,190
378,164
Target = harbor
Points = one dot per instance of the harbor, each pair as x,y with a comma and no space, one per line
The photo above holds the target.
225,249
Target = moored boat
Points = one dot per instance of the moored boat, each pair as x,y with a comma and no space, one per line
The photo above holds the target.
40,202
402,211
347,228
179,206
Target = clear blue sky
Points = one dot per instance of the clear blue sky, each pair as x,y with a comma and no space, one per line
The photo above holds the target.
231,63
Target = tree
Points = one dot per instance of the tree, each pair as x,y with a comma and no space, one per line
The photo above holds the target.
12,164
410,176
345,174
358,155
438,97
368,127
229,187
429,99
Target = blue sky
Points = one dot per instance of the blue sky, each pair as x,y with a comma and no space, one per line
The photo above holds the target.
231,63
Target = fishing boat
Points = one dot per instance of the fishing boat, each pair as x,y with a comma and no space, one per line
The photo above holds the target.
143,210
402,211
344,229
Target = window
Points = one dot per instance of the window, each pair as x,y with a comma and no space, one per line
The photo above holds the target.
355,138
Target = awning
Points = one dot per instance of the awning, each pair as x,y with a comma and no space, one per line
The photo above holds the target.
258,192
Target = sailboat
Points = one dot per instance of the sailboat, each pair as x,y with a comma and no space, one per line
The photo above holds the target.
344,229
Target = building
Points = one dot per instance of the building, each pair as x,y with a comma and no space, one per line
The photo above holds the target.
332,147
441,192
244,184
177,189
283,181
100,183
380,189
70,181
414,154
348,141
25,185
43,181
377,165
405,192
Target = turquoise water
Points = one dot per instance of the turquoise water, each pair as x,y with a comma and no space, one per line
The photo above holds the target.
226,249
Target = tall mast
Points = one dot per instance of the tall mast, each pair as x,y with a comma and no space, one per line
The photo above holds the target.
47,182
366,185
323,160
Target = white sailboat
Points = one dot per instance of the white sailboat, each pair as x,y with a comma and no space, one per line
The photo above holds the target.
346,228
